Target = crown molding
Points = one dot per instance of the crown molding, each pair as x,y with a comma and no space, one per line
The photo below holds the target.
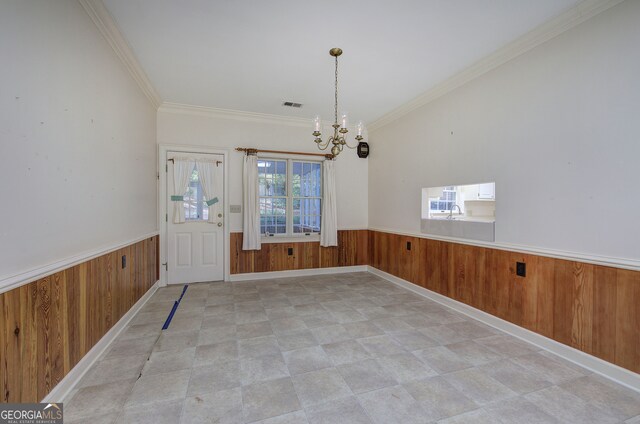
569,19
237,115
110,31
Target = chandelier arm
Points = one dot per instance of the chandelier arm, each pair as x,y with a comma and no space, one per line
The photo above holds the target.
324,145
347,144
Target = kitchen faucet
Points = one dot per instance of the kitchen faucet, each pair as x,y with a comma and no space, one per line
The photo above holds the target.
451,211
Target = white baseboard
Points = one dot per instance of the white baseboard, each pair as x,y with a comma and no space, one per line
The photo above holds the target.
67,384
606,369
297,273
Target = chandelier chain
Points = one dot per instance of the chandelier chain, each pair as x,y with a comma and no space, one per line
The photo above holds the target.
336,98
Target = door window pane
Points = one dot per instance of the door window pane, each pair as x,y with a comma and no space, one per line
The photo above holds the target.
195,207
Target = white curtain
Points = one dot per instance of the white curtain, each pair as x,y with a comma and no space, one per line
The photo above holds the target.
329,224
211,186
181,173
251,216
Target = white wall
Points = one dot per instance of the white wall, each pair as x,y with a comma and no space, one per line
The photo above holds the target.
77,139
211,131
557,129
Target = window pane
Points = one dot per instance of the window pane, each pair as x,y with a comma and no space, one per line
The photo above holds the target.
280,207
272,182
307,190
296,183
272,177
205,210
262,184
273,215
280,185
280,179
317,181
305,180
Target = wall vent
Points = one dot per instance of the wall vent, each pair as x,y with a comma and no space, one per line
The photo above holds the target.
292,104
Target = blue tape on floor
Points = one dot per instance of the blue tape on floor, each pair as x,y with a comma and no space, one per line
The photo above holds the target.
173,310
184,290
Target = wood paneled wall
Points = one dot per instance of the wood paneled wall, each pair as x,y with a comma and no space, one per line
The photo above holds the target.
47,326
352,250
593,308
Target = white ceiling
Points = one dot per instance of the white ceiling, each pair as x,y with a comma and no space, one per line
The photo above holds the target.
251,55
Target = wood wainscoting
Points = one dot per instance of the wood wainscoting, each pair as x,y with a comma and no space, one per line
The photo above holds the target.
48,325
352,250
593,308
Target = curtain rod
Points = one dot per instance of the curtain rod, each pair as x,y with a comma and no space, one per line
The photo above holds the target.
250,151
217,162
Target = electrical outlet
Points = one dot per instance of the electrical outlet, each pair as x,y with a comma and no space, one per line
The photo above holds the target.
124,261
521,269
290,251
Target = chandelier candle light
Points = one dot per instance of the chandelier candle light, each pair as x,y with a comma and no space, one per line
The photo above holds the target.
337,140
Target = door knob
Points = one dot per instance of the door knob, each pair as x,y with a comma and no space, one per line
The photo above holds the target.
219,215
219,224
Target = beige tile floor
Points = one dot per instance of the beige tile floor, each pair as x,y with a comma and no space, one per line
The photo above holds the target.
348,348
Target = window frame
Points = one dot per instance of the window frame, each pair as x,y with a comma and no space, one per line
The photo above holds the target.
289,235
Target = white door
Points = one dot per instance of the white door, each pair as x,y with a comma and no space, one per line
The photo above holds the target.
195,248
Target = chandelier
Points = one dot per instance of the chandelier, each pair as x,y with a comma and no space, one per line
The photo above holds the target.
338,140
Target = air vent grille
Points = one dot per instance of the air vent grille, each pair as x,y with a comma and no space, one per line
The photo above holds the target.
292,104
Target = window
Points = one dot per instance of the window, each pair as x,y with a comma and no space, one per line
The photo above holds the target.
445,202
195,206
467,202
290,194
